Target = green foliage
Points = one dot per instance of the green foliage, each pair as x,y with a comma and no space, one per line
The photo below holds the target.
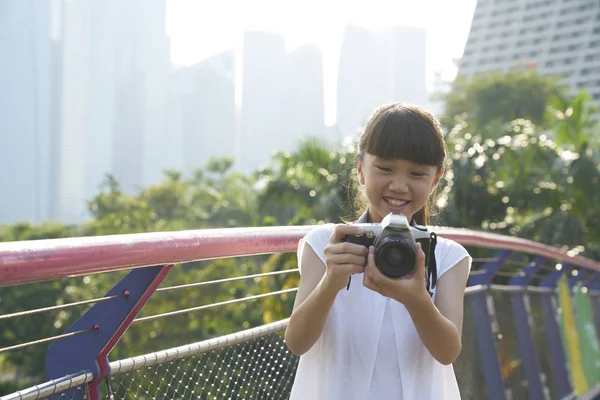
211,197
523,161
312,185
500,97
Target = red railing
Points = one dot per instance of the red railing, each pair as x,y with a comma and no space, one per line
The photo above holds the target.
40,260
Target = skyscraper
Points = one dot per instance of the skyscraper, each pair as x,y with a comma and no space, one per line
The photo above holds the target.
405,51
75,108
263,118
361,79
28,118
304,96
203,100
556,37
114,77
282,98
83,87
140,48
377,68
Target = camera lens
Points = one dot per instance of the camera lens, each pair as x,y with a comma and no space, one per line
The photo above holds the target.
395,256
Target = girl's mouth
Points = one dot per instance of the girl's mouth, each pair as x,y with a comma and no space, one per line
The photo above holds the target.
396,204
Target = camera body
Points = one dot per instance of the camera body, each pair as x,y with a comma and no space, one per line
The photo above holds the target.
394,240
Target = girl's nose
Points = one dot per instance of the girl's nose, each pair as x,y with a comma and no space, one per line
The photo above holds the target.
398,186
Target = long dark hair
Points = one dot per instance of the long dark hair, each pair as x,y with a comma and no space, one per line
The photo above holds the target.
403,131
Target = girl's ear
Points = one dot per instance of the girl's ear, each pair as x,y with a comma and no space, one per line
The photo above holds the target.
360,171
436,181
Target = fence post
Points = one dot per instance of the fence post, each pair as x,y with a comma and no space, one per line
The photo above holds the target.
486,338
574,279
553,335
521,315
593,286
109,320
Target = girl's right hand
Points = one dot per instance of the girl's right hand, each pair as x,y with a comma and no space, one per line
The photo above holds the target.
343,259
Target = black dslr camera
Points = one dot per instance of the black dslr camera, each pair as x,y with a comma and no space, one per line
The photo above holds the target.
394,240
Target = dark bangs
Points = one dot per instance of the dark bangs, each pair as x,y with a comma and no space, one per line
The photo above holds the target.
401,131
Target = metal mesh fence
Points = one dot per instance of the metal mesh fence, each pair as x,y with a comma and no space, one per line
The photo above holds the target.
511,366
256,364
595,298
79,392
539,335
468,368
263,367
260,368
67,388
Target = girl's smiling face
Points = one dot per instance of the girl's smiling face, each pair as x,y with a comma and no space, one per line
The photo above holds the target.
400,158
395,186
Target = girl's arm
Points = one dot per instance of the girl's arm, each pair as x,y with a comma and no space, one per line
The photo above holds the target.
440,325
311,307
319,286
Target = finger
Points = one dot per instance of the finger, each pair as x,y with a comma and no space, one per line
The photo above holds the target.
420,256
351,248
357,269
346,258
371,267
352,268
342,230
369,283
419,270
346,248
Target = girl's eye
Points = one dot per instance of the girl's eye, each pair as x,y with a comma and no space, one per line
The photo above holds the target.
384,169
417,174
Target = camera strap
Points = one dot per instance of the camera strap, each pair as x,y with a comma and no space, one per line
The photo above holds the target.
431,280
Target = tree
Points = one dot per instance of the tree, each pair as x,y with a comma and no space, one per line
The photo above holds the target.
524,152
310,185
507,176
30,296
211,197
524,183
499,97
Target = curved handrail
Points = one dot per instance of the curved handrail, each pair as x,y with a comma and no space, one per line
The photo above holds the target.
40,260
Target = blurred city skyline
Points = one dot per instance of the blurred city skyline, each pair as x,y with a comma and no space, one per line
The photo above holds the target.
96,87
133,87
446,24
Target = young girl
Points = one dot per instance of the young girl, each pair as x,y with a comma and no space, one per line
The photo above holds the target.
381,338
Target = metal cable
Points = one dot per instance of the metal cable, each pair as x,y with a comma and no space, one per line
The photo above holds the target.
509,274
60,307
237,278
171,313
194,349
49,339
54,386
483,260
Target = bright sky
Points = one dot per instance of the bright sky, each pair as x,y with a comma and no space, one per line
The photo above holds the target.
201,28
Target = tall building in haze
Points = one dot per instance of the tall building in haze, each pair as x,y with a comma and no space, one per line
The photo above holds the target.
29,116
556,37
304,96
115,64
263,109
377,68
202,116
282,98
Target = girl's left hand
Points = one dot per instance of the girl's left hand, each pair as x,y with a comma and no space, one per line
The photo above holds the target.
406,290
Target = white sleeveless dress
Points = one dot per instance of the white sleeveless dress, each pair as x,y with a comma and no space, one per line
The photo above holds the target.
369,348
